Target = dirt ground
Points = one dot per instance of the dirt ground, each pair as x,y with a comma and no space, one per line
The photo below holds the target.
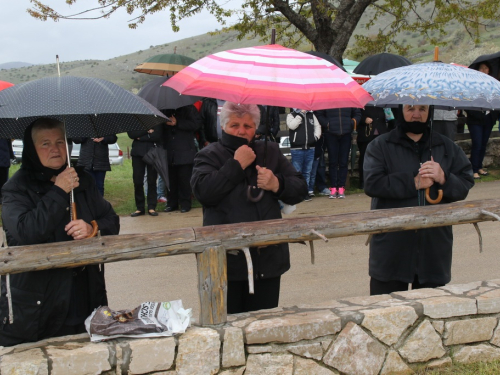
341,268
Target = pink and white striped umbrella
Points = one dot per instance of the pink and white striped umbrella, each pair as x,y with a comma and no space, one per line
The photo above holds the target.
270,75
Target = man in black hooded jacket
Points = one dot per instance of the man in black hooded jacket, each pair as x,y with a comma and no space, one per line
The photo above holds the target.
398,167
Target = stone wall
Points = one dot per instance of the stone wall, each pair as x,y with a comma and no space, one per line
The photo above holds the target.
388,334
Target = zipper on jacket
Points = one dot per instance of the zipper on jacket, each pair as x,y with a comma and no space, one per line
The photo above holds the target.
307,131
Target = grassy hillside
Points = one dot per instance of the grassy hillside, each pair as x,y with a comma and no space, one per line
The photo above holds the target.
119,70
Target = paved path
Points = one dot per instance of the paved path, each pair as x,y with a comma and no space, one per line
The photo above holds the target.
341,268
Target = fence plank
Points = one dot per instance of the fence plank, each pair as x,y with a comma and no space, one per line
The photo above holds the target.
212,285
235,236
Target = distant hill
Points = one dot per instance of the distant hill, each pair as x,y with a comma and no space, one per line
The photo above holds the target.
120,70
14,65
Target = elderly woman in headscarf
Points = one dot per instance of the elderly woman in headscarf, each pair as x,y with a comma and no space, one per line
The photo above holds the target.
222,174
36,200
398,168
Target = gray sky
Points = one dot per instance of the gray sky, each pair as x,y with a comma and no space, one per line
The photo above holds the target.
25,39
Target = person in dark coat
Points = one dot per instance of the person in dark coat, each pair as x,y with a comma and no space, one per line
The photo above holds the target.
94,157
372,124
143,141
338,125
53,302
398,168
222,173
6,155
178,139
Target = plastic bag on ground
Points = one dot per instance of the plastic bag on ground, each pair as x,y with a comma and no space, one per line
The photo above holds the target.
150,319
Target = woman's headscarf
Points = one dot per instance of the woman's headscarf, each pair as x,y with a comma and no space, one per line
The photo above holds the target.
416,127
30,159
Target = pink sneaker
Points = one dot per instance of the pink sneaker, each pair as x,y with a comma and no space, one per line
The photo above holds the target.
162,200
341,193
333,193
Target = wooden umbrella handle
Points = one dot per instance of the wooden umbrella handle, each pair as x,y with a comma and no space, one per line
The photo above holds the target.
433,201
73,211
95,228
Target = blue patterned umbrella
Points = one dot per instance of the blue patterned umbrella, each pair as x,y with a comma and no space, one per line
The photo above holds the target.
443,85
90,107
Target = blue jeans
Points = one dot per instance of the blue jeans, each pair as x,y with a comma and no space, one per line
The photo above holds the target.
99,177
338,147
479,135
302,160
160,187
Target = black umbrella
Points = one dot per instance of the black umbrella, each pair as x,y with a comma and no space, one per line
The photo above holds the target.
164,97
493,60
381,62
157,157
89,107
328,58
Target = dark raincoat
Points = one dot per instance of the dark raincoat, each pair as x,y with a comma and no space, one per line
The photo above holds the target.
220,184
35,211
392,161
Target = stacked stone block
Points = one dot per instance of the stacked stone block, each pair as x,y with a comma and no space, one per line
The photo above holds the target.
379,335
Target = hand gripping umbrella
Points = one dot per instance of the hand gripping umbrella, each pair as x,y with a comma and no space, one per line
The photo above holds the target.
270,75
89,107
437,84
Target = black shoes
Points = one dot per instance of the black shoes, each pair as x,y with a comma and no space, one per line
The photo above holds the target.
170,209
184,210
152,213
137,213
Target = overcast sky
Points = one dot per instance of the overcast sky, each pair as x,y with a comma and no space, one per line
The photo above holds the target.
26,39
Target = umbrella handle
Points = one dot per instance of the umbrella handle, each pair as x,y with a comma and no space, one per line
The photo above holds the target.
433,201
95,228
250,197
73,211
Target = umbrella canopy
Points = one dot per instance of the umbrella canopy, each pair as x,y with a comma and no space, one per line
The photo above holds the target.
270,75
380,63
90,107
163,97
326,57
164,65
4,85
493,60
443,85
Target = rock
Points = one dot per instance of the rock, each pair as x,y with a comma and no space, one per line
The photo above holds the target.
198,352
461,288
489,302
394,365
387,324
79,359
312,350
470,330
269,364
423,344
309,367
448,307
293,327
233,350
151,354
421,293
477,353
355,352
29,362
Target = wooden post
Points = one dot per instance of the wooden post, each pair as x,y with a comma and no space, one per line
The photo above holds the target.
212,285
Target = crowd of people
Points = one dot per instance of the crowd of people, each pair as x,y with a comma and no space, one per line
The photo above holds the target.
216,153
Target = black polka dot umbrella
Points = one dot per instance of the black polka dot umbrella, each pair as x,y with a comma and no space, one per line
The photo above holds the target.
90,107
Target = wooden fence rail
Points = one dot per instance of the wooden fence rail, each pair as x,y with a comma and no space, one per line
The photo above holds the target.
236,236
